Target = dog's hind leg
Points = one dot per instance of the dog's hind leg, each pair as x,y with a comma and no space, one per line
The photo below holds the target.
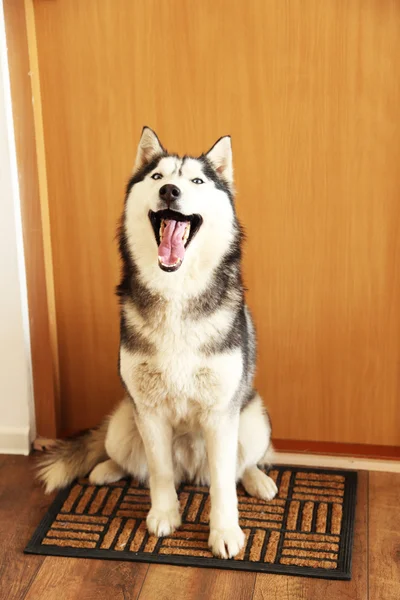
255,449
124,447
106,472
258,484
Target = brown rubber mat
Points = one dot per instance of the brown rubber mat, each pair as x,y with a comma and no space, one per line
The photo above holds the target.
306,530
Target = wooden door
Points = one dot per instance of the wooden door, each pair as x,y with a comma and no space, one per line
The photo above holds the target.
310,92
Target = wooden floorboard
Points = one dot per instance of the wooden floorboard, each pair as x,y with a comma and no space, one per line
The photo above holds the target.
279,587
164,582
22,505
30,577
69,578
384,536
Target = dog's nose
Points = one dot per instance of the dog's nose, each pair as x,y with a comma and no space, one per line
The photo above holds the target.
169,193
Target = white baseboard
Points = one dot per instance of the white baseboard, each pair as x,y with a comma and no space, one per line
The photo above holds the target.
15,440
336,462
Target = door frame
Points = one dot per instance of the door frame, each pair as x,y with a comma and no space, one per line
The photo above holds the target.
29,142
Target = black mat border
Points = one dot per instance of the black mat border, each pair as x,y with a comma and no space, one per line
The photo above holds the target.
345,556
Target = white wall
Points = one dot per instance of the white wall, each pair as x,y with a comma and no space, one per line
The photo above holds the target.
16,398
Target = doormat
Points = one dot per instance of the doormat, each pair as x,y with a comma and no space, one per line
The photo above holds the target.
306,530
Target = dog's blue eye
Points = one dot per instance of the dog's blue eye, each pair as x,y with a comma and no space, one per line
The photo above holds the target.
197,180
156,176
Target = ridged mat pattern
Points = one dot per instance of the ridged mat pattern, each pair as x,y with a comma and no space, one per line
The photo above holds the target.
307,529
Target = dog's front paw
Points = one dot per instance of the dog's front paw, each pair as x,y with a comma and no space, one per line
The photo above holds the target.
163,522
227,542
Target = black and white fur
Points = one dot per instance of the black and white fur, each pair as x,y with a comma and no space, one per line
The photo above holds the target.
187,356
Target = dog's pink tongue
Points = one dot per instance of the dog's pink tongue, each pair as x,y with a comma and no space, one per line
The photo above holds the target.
172,246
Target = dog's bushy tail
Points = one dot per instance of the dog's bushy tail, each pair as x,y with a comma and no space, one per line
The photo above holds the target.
72,458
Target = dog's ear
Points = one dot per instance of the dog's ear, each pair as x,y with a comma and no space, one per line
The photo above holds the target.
149,147
220,156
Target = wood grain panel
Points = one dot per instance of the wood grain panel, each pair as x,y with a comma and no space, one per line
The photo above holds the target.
310,94
278,587
384,536
44,351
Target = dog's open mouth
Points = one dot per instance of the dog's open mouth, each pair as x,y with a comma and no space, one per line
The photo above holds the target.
173,232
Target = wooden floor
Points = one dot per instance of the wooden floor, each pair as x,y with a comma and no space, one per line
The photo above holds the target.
376,563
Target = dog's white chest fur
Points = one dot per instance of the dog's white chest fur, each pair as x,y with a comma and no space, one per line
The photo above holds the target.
177,376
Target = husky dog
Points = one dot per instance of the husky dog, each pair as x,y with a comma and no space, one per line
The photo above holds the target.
187,354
